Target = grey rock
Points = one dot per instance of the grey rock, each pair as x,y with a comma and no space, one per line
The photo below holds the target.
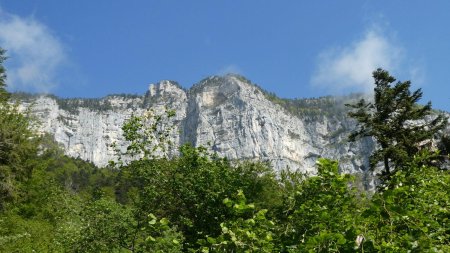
226,114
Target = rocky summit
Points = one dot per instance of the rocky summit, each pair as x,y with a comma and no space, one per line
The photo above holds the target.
227,114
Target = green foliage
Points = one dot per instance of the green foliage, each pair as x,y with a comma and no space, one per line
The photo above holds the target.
125,96
189,189
161,238
18,144
323,212
31,205
242,233
393,119
73,105
414,214
20,96
105,227
4,95
148,136
18,234
315,108
31,222
309,109
18,147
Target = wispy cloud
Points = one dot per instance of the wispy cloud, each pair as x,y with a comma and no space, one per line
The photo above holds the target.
351,67
230,69
35,54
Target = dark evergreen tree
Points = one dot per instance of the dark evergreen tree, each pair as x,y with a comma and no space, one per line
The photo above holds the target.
17,143
400,126
444,146
4,95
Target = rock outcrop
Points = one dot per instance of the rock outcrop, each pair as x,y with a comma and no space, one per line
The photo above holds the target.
228,114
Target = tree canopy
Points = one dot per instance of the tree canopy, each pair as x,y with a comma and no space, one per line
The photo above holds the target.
396,121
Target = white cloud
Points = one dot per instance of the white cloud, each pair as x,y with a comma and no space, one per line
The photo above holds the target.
230,69
35,54
417,74
351,68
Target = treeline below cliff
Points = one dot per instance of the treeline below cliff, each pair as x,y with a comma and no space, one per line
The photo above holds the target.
200,202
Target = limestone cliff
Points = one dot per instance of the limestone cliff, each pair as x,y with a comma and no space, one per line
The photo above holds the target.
227,114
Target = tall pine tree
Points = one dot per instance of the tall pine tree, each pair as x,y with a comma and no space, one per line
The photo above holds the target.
400,126
18,143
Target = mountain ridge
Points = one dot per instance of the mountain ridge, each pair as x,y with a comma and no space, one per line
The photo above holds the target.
239,119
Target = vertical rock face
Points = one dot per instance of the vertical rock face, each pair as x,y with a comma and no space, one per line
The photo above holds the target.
238,122
227,114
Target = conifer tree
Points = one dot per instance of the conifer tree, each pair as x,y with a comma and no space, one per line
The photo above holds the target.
18,144
4,95
399,125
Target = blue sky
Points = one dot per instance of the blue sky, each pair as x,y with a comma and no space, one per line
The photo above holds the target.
293,48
